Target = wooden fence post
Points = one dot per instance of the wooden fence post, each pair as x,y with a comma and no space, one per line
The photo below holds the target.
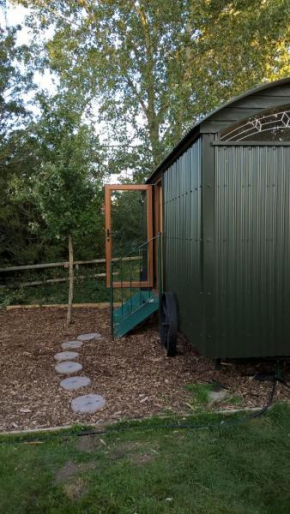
71,279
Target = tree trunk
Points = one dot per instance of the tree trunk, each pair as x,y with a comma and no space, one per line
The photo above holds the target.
71,279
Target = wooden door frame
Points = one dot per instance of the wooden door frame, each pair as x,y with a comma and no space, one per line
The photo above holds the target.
158,207
108,226
158,227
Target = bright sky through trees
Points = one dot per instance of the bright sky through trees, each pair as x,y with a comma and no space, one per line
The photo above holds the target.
14,16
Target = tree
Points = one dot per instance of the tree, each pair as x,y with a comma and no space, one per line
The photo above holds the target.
67,188
13,82
16,155
156,67
18,215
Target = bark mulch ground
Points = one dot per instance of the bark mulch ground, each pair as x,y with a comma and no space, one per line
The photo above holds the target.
133,374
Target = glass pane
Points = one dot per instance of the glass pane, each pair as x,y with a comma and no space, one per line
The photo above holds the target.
129,234
272,125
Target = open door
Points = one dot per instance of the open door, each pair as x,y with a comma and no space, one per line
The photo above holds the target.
158,229
129,235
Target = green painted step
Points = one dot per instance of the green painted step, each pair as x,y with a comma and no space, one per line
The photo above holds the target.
134,311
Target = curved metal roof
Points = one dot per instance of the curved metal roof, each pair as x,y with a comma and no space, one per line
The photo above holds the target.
194,131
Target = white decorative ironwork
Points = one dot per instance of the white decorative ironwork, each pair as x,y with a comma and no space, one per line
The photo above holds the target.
268,122
257,125
285,119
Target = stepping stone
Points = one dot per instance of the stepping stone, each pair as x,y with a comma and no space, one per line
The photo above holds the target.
89,337
72,345
68,367
88,403
72,383
66,356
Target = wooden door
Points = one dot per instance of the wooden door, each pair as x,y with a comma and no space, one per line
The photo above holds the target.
129,235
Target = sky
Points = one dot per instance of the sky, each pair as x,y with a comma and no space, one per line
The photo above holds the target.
12,16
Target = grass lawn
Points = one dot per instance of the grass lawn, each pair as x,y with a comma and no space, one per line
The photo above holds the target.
235,468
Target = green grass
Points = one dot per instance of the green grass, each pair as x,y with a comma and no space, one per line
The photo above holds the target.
201,399
233,468
234,400
199,393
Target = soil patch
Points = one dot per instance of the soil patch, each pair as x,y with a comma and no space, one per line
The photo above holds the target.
76,489
123,450
88,443
132,452
133,374
71,469
141,458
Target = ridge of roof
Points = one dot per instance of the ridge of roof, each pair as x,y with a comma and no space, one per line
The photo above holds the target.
194,130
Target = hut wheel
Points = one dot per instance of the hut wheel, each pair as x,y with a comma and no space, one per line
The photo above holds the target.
168,323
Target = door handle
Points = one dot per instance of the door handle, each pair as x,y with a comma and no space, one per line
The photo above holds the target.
108,232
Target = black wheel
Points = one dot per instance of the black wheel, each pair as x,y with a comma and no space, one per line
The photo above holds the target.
168,323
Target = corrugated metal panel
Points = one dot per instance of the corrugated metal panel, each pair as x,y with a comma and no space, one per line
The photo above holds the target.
182,238
252,252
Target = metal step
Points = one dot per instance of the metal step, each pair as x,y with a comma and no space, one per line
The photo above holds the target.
134,311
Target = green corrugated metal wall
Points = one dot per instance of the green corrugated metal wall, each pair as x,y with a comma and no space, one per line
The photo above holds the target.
182,238
252,252
227,233
248,310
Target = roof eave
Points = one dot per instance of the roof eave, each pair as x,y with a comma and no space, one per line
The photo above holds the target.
195,131
178,150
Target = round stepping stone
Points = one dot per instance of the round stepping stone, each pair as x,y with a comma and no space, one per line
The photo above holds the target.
72,345
68,367
89,337
88,403
72,383
65,356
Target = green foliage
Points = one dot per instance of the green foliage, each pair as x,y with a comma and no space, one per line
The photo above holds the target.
155,68
17,159
85,291
13,83
149,70
51,168
128,221
52,183
18,243
67,187
11,297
